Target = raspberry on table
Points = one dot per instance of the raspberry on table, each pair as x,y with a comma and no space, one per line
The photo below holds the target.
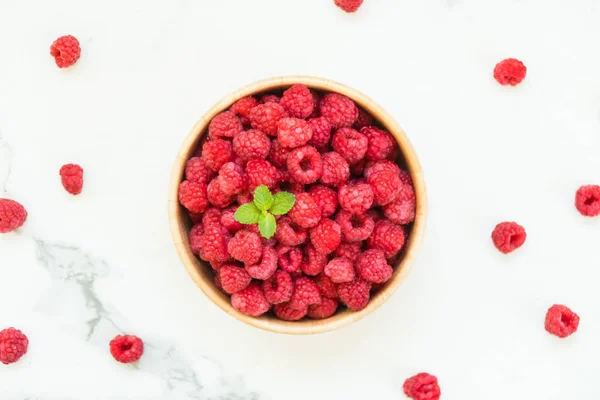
269,98
287,313
278,154
13,345
350,144
422,386
326,309
336,170
327,287
314,262
356,294
298,101
340,270
293,132
233,278
12,215
71,177
355,198
261,172
388,237
508,236
214,243
251,301
326,199
373,267
587,200
126,348
232,179
402,210
386,187
279,288
245,246
321,132
349,250
267,266
364,119
326,236
355,227
561,321
242,108
382,165
193,196
289,258
510,72
381,143
195,238
306,292
349,6
196,170
305,212
228,220
217,152
339,110
251,145
216,196
288,233
225,124
265,117
66,51
305,164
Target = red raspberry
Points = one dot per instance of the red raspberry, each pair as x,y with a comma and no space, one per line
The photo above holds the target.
355,227
234,279
379,166
251,145
216,265
339,110
196,170
316,98
245,246
279,288
306,292
278,154
216,196
355,198
356,294
402,210
326,309
265,117
373,267
195,238
225,124
71,177
66,51
561,321
288,233
266,267
232,179
217,152
349,6
351,144
269,98
298,101
422,386
244,197
508,236
250,301
381,143
349,250
193,196
587,200
405,178
12,215
340,270
214,243
242,108
388,237
386,187
217,280
321,132
306,212
211,216
326,286
315,261
285,312
305,165
325,198
336,170
261,172
289,258
364,119
326,236
13,345
510,72
228,220
126,348
294,132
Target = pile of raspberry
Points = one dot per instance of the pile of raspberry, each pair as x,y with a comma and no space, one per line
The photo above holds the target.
350,220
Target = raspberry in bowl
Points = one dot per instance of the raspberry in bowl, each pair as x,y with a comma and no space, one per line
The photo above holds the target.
297,205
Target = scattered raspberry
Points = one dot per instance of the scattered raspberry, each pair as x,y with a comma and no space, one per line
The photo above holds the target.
266,267
214,243
261,172
561,321
265,117
242,108
306,212
379,166
226,124
388,237
386,187
278,154
314,262
306,292
587,200
305,164
355,227
340,270
356,294
217,152
294,132
288,233
402,210
196,170
269,98
381,143
193,196
251,145
228,220
326,309
422,386
349,250
234,279
325,198
356,198
232,179
336,170
364,119
373,267
508,236
216,196
289,258
321,132
339,110
287,313
71,177
350,144
12,215
349,6
13,345
327,288
298,101
251,301
211,216
245,246
510,72
279,288
195,238
126,348
66,51
326,236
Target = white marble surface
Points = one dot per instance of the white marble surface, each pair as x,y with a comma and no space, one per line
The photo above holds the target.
84,268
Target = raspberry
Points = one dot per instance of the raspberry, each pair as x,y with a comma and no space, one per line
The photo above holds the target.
250,301
298,101
126,348
266,267
13,345
261,172
293,132
340,270
289,258
379,166
242,108
214,243
306,212
325,198
355,227
71,177
218,284
349,250
561,321
279,288
251,145
356,294
287,313
195,238
228,220
326,309
245,246
405,177
211,216
355,198
196,170
66,51
12,215
381,143
587,200
265,117
350,144
327,288
288,233
234,279
364,119
232,179
326,236
321,132
315,262
305,164
508,236
388,237
510,72
193,196
269,98
373,267
422,386
306,292
316,99
278,154
216,196
339,110
244,197
336,170
402,210
217,152
349,6
225,124
386,187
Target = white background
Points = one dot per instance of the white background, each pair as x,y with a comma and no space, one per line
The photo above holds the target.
150,69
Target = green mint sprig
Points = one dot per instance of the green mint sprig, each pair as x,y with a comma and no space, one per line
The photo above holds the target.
263,210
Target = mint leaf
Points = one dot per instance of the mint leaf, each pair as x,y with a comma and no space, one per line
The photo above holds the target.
267,224
282,203
247,214
263,198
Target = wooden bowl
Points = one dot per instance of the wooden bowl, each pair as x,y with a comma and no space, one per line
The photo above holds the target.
202,273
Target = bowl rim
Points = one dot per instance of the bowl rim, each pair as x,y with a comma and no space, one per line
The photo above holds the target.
194,265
